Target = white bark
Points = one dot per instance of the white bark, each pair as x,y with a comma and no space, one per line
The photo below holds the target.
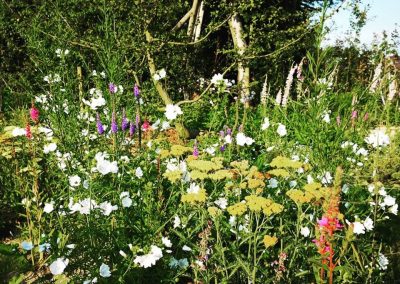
199,21
243,77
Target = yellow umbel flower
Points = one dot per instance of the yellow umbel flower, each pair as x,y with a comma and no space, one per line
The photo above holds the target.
279,173
173,176
220,175
214,211
179,150
237,209
195,197
270,241
283,162
164,154
240,165
256,203
312,186
272,208
204,166
254,183
197,175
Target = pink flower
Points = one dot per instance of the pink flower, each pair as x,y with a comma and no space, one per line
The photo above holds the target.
354,114
34,113
324,222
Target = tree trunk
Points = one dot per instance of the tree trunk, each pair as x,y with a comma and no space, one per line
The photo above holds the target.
243,77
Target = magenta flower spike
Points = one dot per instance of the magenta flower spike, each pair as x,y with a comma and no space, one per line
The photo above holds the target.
112,88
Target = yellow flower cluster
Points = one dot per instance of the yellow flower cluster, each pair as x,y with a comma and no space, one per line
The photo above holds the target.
164,154
312,192
240,165
214,211
197,175
173,176
283,162
237,209
221,174
270,241
279,173
179,150
299,196
254,183
204,166
195,197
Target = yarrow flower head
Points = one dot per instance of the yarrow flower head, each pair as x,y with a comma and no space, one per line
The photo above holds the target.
112,88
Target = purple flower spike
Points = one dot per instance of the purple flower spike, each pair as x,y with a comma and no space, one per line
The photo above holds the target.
112,88
229,131
222,134
195,151
136,91
222,148
132,129
114,125
100,128
124,122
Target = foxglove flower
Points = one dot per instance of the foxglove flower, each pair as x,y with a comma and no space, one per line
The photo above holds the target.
112,88
34,113
124,122
131,129
195,150
100,128
137,120
114,125
28,132
136,91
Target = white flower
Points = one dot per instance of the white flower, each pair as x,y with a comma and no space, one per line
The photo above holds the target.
326,178
305,231
162,73
149,259
325,117
242,139
194,188
107,208
172,111
17,131
57,267
383,262
48,207
123,254
358,228
49,148
166,242
377,138
228,139
177,222
165,125
210,151
74,181
389,201
217,78
139,172
126,202
105,270
186,248
394,209
292,183
281,130
272,183
368,224
221,203
265,124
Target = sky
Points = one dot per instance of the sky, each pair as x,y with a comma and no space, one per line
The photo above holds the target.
381,15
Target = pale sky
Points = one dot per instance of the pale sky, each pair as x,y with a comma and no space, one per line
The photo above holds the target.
382,15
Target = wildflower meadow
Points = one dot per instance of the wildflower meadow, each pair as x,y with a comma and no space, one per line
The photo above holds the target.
143,165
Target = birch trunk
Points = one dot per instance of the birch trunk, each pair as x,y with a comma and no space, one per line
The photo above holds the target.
243,77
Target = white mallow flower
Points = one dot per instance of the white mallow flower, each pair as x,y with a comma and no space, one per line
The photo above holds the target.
104,166
105,270
17,131
265,124
217,78
57,267
272,183
74,181
394,209
177,222
326,178
139,172
107,208
325,117
149,259
242,139
358,228
48,207
368,224
377,138
49,148
166,242
305,231
186,248
172,111
383,262
281,130
228,139
160,74
194,188
221,203
125,199
389,201
210,150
